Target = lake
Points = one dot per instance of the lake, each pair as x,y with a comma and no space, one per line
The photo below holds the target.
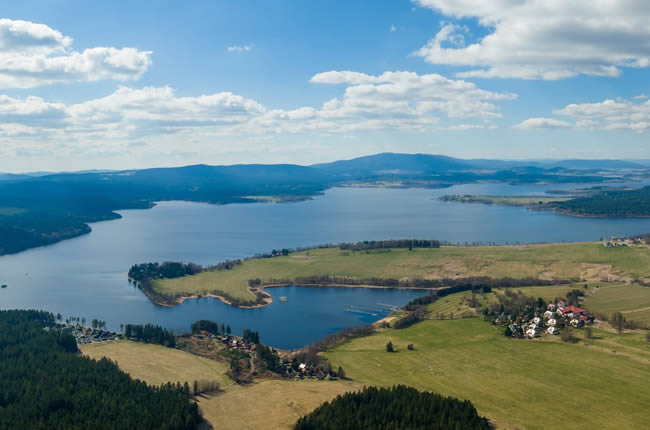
86,276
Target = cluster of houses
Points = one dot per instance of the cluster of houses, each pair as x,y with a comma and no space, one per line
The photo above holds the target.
85,335
557,315
231,342
296,370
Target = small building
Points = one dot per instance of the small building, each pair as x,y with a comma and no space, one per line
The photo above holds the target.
552,330
548,314
552,322
531,333
537,320
551,307
576,322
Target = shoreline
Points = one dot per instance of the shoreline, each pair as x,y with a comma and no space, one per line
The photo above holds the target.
268,300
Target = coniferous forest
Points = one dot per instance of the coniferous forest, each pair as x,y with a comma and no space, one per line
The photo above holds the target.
47,384
394,408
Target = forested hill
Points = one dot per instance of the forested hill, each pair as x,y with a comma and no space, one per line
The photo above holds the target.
631,203
46,384
43,210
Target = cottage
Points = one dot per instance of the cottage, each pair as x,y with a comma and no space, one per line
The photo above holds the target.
551,307
552,322
552,330
532,326
537,320
576,323
560,304
531,333
548,314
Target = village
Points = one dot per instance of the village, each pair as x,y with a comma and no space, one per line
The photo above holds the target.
286,367
86,335
555,317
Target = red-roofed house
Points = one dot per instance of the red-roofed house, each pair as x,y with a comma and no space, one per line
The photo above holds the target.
574,311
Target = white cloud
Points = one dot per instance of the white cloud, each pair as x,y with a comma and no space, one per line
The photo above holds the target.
617,114
542,39
34,54
610,115
240,48
463,127
390,101
393,28
535,123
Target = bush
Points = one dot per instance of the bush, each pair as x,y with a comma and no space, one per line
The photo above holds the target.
389,347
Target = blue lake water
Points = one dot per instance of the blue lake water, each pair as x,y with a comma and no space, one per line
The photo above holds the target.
86,276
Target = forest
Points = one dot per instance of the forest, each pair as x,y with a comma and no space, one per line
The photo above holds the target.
622,203
384,244
398,407
47,384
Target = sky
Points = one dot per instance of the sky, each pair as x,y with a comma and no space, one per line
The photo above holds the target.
122,84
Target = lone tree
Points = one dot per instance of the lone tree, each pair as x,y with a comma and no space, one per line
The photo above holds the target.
389,347
618,321
341,373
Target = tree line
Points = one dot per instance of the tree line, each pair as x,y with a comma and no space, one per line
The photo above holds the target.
398,407
151,334
47,384
383,244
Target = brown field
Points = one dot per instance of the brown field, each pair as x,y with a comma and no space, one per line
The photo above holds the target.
269,404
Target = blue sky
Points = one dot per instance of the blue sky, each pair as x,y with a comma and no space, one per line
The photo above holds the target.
139,84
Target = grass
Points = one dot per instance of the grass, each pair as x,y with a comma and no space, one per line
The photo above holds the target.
586,261
632,300
516,383
270,403
157,364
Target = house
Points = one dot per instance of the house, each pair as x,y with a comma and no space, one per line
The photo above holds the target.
552,330
551,307
573,311
537,320
560,304
551,322
532,333
532,326
576,322
548,314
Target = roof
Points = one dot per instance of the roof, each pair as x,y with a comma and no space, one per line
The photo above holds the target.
574,309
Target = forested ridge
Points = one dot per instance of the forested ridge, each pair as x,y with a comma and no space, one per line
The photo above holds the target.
46,384
628,203
394,408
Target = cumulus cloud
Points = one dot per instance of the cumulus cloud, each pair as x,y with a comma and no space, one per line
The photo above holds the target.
390,101
617,114
240,48
535,123
34,54
610,115
542,39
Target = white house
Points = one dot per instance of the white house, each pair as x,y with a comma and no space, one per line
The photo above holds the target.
548,314
532,326
537,320
532,333
552,330
552,322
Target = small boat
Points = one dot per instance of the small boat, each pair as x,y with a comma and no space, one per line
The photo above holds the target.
4,286
283,298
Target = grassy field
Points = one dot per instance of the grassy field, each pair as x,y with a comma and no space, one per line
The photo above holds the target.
632,300
157,364
272,404
587,261
516,383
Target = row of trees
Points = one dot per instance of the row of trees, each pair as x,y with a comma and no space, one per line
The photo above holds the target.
210,327
47,384
150,333
398,407
385,244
